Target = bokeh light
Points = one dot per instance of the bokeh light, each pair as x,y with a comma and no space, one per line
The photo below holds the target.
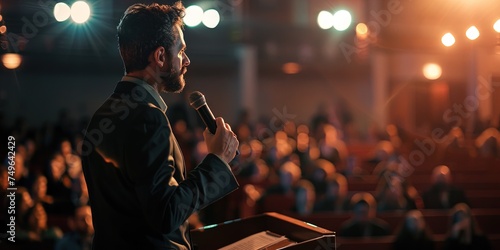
432,71
291,68
496,26
62,12
211,18
11,60
361,29
448,39
342,20
325,20
80,12
3,29
472,33
1,18
194,15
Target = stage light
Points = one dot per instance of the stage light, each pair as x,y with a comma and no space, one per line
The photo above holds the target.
325,20
80,12
11,60
432,71
62,12
3,29
211,18
194,15
448,39
496,26
342,20
472,33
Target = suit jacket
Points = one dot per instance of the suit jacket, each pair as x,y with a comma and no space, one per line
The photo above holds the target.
140,193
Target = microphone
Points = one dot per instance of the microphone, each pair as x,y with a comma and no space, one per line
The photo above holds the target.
199,103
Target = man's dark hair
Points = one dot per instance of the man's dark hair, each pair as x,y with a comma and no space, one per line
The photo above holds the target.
143,28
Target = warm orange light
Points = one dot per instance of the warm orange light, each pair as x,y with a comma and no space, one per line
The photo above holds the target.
1,18
432,71
448,39
472,33
291,68
11,60
496,26
3,29
361,30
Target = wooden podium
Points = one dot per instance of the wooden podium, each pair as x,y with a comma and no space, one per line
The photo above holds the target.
306,235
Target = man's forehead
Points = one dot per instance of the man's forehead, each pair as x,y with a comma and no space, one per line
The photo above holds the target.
179,41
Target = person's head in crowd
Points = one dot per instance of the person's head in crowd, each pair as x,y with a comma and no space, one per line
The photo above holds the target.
384,150
488,143
30,148
19,165
336,187
39,189
57,167
413,233
289,175
283,146
455,138
304,197
414,223
290,129
24,203
81,221
303,139
441,176
36,218
364,207
462,221
66,148
4,178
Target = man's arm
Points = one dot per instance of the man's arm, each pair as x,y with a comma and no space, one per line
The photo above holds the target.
149,160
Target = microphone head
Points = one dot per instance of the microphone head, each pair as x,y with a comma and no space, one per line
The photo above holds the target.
197,99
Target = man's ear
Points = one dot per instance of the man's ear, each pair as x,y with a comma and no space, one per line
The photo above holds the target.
159,57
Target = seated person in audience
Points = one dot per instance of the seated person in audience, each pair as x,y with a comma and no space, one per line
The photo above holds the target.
281,197
82,230
363,222
39,192
322,170
35,227
442,194
394,193
289,175
414,234
304,197
488,143
335,199
464,232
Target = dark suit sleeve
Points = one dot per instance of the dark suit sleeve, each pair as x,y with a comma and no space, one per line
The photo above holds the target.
165,203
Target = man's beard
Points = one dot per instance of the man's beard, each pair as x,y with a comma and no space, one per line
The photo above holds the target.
173,82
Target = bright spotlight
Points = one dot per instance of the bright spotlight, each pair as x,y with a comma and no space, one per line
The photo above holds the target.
472,33
496,26
62,12
448,39
80,12
432,71
342,20
211,18
194,15
325,20
11,60
361,29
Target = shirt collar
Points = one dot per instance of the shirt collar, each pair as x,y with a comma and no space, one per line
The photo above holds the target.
149,89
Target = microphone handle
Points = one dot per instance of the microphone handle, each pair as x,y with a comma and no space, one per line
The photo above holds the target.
208,118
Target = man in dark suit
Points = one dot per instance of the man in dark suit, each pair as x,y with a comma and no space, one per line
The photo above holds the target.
140,193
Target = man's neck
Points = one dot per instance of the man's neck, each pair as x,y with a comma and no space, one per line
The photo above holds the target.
145,76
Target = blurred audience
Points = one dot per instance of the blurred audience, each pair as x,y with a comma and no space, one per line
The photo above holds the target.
414,233
35,226
82,230
442,194
335,197
363,222
464,233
